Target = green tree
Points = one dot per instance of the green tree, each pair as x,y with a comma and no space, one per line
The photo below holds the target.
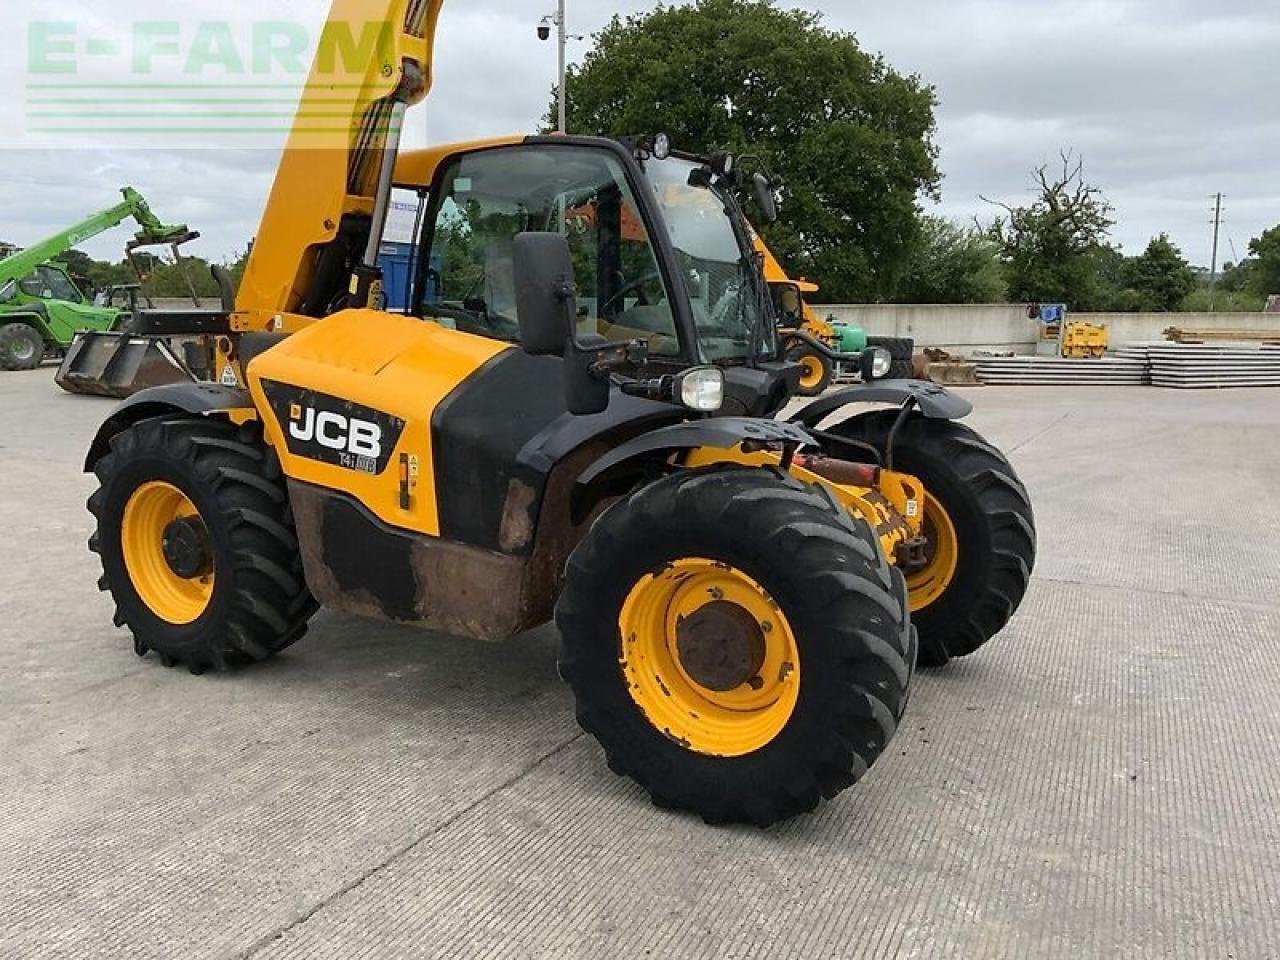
1236,277
1264,278
237,267
851,137
952,264
164,278
1161,276
1051,247
1112,289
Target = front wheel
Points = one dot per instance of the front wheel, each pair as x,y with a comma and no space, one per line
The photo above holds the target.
21,347
736,642
978,523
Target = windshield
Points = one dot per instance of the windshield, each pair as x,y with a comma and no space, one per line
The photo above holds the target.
725,298
490,197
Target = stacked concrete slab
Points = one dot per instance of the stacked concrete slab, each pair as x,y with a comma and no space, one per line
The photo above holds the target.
1056,371
1213,366
1161,364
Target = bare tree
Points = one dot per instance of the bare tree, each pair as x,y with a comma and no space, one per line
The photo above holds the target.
1047,245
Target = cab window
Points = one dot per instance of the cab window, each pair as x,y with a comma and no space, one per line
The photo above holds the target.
487,198
50,284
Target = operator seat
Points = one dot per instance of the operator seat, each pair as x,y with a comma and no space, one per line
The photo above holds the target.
500,278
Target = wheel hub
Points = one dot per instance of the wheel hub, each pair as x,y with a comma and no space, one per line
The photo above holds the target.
709,657
721,646
186,548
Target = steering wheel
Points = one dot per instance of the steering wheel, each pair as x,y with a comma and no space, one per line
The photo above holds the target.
627,288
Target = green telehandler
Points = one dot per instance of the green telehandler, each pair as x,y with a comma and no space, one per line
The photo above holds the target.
42,309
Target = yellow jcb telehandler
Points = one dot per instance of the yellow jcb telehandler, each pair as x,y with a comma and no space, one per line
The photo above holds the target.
544,433
819,345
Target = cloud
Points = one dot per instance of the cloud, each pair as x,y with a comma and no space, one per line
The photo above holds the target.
1169,101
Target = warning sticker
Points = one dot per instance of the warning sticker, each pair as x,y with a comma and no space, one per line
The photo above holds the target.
228,378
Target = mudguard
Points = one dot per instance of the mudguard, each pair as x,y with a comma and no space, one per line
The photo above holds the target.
200,399
722,433
34,315
933,401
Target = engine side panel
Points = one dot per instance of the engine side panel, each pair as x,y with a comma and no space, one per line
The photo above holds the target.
347,403
500,436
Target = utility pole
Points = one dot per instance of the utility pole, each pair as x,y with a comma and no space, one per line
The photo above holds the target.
1213,269
558,20
564,107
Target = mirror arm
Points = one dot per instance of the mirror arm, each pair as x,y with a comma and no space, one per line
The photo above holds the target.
605,358
659,388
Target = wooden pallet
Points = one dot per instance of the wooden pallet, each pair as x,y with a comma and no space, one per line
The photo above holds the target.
1186,335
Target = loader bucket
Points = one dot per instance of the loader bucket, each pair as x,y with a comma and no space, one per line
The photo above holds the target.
105,364
952,373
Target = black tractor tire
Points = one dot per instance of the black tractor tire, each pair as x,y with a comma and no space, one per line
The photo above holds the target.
21,347
993,520
260,603
819,369
822,568
901,349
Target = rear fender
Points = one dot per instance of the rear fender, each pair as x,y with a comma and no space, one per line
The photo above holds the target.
192,399
932,400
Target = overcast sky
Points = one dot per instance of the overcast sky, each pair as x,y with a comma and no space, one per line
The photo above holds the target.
1169,101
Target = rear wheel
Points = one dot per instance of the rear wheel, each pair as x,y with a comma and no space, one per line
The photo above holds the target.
901,349
21,347
816,370
979,525
197,543
736,642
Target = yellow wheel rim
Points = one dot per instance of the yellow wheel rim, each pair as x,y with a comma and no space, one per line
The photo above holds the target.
148,517
709,657
926,585
812,375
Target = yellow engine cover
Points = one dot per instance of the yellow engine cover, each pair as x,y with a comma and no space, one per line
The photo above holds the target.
347,404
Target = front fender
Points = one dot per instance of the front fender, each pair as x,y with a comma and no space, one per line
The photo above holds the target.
932,400
36,320
722,433
199,399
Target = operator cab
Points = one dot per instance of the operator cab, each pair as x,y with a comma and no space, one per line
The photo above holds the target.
48,282
656,245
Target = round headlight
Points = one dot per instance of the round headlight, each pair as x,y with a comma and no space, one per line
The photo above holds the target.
661,146
702,389
876,363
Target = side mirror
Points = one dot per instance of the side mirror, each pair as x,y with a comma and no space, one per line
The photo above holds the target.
545,302
548,311
8,290
788,300
765,198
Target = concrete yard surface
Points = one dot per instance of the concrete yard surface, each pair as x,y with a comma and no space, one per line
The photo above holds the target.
1102,780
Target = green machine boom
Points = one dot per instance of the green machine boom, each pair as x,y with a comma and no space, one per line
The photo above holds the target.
42,309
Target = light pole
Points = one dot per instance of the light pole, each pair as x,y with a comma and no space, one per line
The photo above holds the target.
557,20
